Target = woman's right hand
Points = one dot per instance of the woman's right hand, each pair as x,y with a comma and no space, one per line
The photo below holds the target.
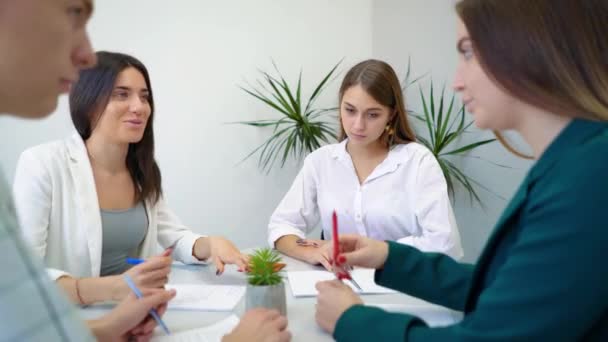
152,273
260,325
357,250
130,319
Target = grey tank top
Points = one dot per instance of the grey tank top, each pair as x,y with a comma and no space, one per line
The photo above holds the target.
123,232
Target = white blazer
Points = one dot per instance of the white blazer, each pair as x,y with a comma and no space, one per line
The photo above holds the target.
56,202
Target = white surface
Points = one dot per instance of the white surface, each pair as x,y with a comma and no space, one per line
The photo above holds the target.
205,297
300,311
212,333
302,283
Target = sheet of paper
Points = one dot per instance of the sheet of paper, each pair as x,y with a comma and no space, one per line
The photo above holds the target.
432,315
205,297
302,283
212,333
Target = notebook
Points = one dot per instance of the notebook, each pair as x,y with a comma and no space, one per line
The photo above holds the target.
205,297
302,283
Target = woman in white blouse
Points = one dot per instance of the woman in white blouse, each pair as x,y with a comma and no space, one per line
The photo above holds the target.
88,202
381,183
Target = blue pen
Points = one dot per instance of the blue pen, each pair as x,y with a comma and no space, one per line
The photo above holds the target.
134,261
153,312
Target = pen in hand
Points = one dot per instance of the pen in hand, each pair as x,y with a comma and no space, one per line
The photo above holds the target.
341,271
153,312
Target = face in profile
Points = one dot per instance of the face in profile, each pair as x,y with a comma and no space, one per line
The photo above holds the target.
43,45
126,115
491,106
363,118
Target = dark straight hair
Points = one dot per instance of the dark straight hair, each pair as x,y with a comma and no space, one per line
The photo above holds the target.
552,54
88,99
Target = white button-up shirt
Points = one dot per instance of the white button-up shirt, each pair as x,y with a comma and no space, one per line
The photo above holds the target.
404,199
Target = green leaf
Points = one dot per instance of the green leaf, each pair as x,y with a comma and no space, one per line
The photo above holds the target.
468,147
262,268
283,84
488,161
296,133
432,100
320,86
439,122
299,89
265,100
448,177
427,119
444,125
448,116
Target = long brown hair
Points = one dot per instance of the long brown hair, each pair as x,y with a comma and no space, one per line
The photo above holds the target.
552,54
380,81
88,98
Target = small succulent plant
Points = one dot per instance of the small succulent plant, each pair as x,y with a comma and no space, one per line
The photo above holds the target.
265,267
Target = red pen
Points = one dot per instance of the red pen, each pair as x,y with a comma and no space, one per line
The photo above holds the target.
340,271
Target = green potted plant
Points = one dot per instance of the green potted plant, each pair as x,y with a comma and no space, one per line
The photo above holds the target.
300,129
445,123
265,286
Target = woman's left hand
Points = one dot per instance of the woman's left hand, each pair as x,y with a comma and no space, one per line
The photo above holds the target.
222,251
334,298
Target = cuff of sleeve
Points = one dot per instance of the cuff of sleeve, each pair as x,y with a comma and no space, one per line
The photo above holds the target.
364,323
55,274
278,232
184,247
398,254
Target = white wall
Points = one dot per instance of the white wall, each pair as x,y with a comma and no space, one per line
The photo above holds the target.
197,53
425,31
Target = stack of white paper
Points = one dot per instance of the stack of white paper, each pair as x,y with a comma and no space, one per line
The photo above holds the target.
212,333
302,283
205,297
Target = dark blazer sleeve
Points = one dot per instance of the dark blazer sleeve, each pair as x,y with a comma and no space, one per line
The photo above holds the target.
552,285
434,277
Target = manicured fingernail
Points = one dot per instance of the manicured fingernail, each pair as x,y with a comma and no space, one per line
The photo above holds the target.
217,272
341,259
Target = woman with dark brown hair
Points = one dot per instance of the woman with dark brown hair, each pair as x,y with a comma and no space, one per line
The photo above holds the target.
539,67
89,202
381,183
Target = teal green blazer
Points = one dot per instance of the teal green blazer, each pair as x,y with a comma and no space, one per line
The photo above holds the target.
542,275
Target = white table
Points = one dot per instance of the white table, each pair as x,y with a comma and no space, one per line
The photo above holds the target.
300,311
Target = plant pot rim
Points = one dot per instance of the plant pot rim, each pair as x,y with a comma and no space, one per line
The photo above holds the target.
252,285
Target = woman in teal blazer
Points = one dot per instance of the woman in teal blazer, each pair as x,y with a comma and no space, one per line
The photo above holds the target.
540,68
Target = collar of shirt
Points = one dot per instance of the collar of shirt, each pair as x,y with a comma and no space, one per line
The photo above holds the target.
388,165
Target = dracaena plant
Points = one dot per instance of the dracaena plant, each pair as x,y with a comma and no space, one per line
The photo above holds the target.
301,127
444,126
265,267
445,123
